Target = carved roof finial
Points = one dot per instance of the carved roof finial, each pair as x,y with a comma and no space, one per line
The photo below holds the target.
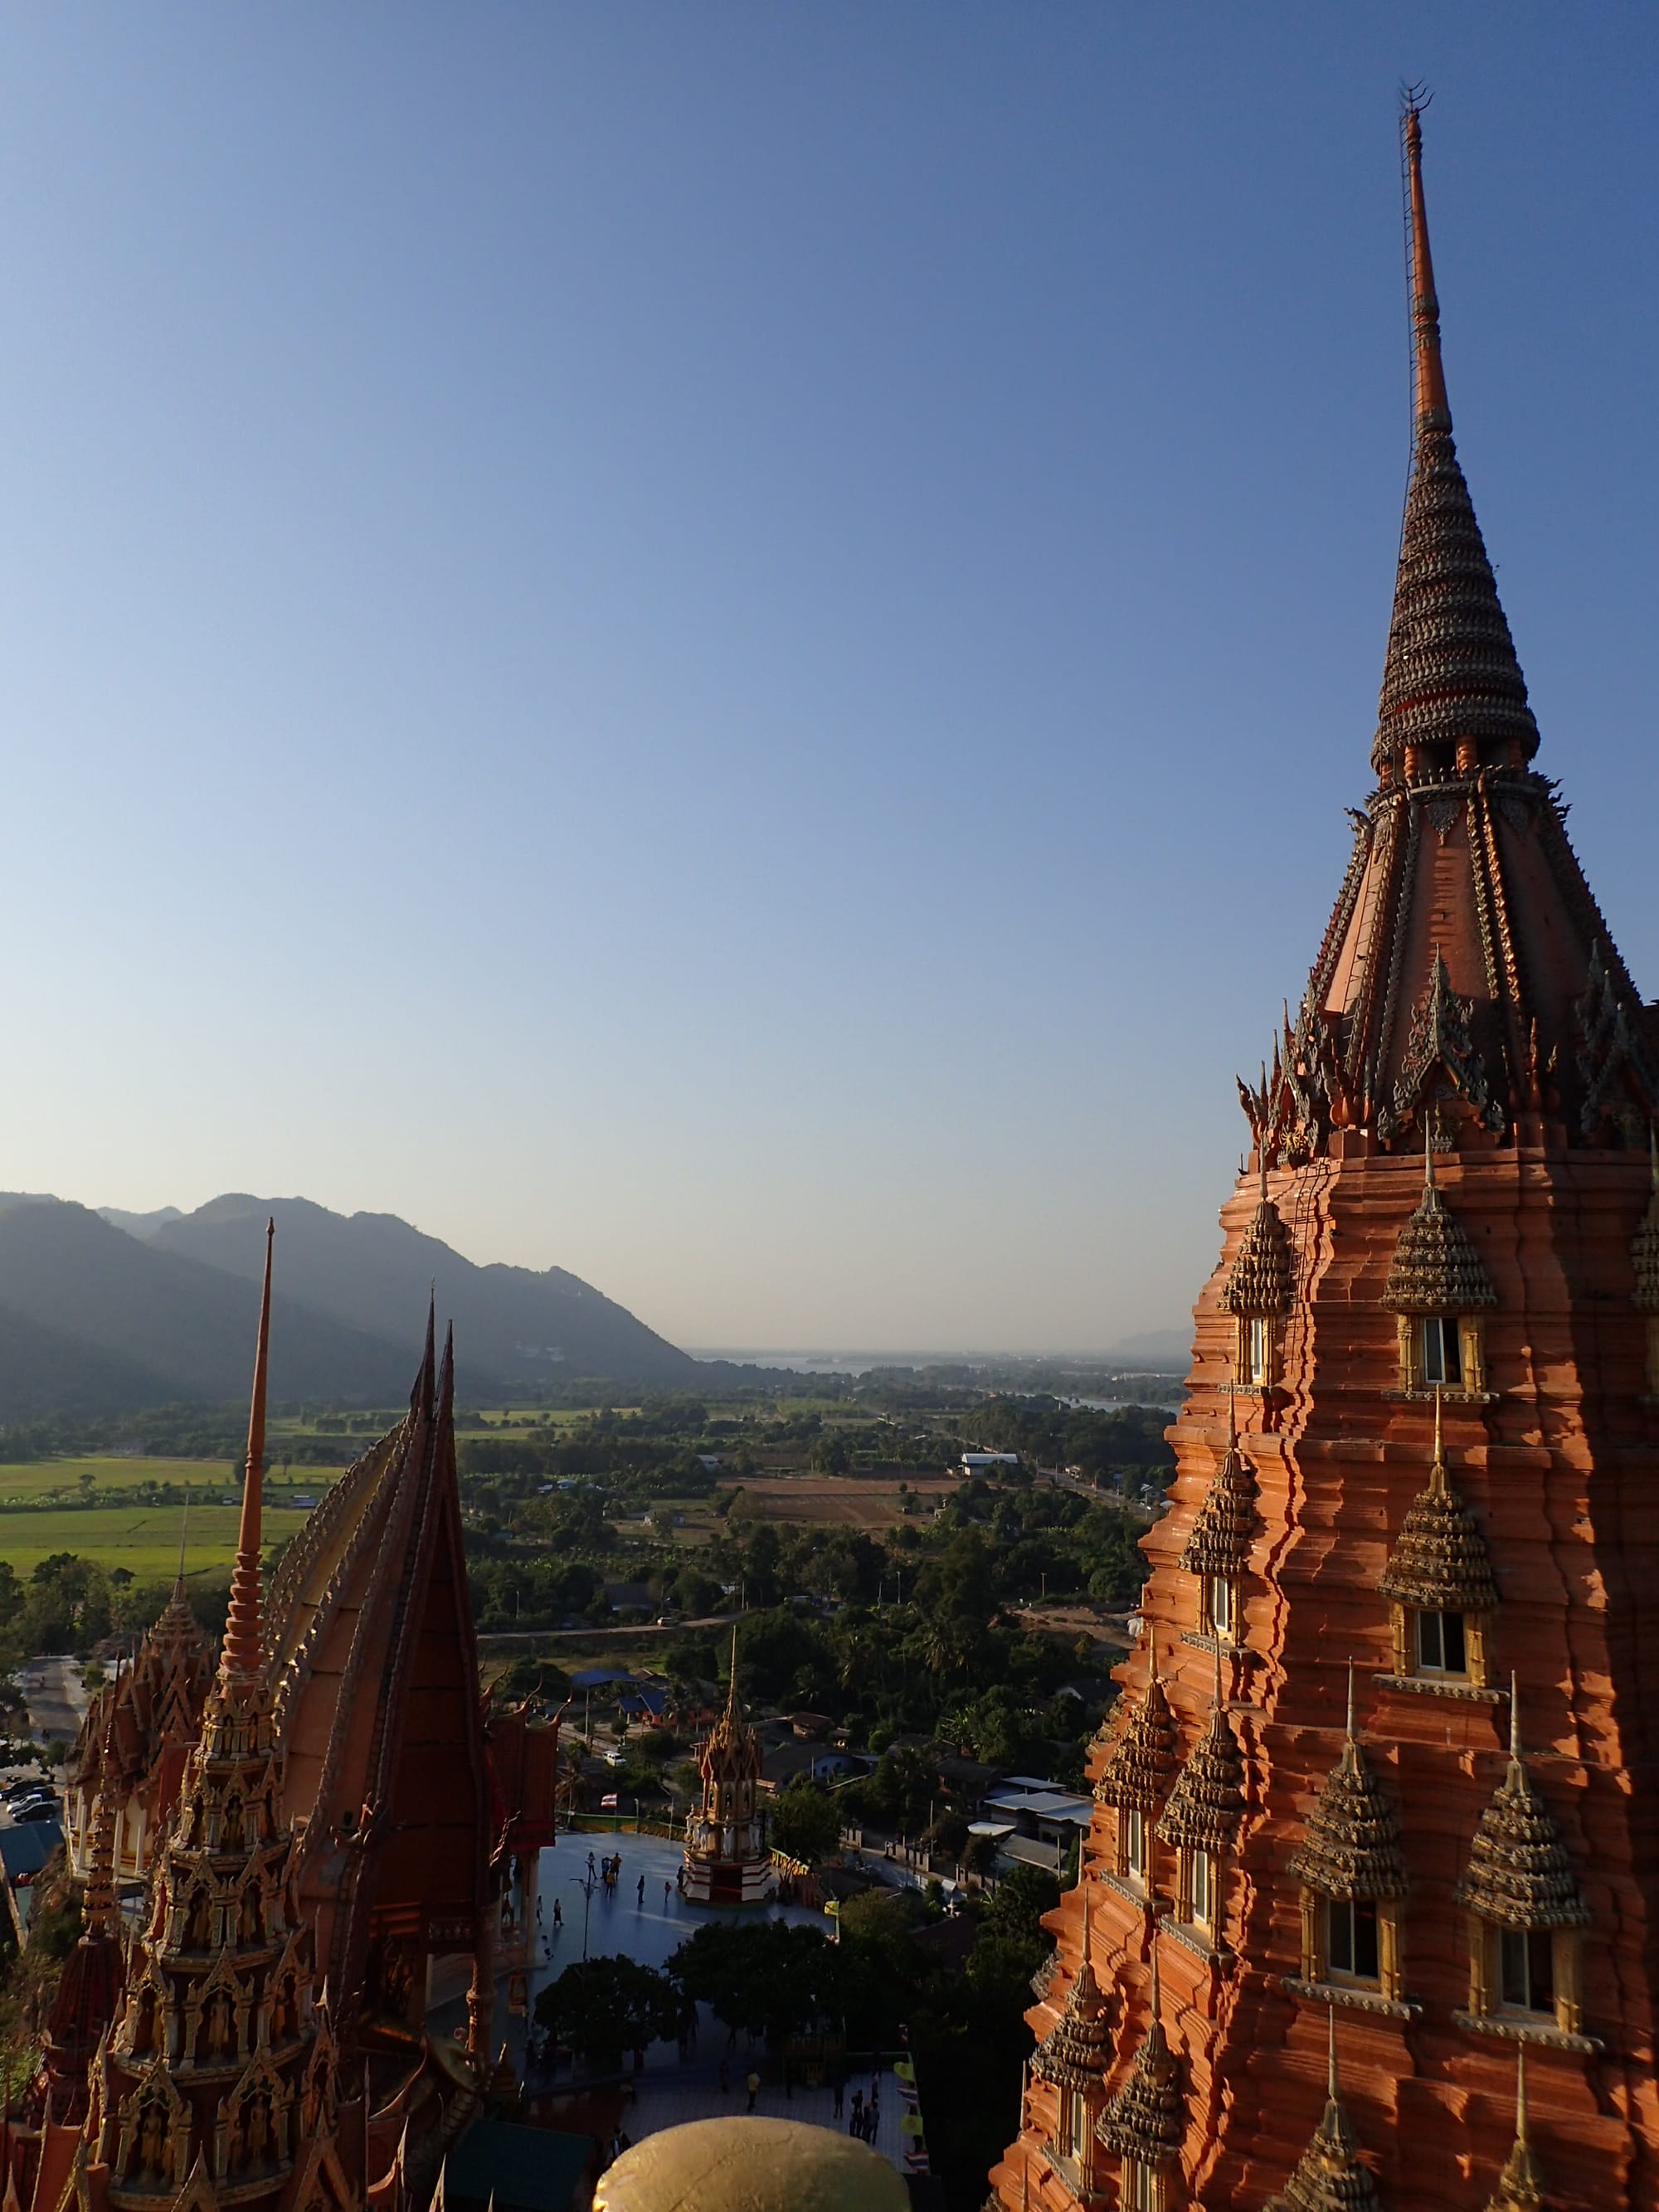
1139,1762
1520,2186
1514,1719
243,1650
1207,1804
1330,2176
1332,2085
1353,1736
1353,1846
1431,375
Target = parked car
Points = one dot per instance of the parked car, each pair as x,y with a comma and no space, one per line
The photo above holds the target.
37,1812
32,1786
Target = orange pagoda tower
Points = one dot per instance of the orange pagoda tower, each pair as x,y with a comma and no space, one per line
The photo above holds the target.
1367,1913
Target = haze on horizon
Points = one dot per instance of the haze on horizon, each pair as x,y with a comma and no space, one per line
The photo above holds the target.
725,646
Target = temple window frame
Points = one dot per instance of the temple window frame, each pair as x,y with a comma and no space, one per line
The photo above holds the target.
1198,1890
1141,2187
1220,1608
1135,1846
1256,1351
1463,1335
1320,1912
1491,1973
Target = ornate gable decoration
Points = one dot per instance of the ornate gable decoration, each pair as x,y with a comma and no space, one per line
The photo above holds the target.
1520,1875
1139,1766
1436,1268
1207,1805
1354,1847
1440,1563
1621,1088
1077,2050
1147,2118
1222,1534
1440,1038
1263,1278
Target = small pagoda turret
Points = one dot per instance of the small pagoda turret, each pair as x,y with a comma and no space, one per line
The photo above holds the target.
727,1859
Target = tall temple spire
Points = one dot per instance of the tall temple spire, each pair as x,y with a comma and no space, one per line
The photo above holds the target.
1431,375
243,1649
1451,680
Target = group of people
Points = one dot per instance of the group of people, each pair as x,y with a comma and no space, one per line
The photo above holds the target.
865,2119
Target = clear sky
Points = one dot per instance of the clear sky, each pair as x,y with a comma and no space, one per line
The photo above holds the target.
724,644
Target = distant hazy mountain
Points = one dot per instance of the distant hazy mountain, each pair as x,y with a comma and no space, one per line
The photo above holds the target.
137,1224
373,1271
99,1322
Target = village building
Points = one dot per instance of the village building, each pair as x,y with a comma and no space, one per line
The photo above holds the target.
1367,1908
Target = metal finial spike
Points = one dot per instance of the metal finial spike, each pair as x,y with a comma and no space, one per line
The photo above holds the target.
1218,1674
1331,2081
1515,1718
1430,378
1428,1151
1232,1418
1521,2094
184,1533
1351,1738
1158,1993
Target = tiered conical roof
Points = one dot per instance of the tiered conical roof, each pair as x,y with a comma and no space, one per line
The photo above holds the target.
733,1753
1519,1875
1520,2185
221,2067
1451,671
1147,2118
1330,2175
1077,2050
1436,1268
1207,1804
1263,1278
1222,1534
1140,1764
1439,1562
1354,1847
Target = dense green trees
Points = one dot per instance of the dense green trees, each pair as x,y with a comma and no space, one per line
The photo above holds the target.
806,1822
604,2007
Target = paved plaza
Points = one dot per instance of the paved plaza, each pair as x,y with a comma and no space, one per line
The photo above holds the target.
650,1928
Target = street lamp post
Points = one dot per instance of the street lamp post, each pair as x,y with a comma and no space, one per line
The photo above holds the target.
585,1883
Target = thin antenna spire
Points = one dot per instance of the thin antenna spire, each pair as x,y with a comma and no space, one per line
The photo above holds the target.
1428,1151
1157,1999
183,1535
243,1649
1521,2094
731,1685
1332,2085
1430,377
1514,1718
1352,1737
1438,1472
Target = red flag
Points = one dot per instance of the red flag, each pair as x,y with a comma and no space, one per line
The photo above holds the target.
608,1804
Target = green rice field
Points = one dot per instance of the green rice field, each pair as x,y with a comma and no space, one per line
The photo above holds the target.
142,1538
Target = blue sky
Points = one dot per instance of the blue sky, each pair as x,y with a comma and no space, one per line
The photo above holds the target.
724,644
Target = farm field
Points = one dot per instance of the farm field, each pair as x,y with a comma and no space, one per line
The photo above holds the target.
845,1501
144,1539
63,1478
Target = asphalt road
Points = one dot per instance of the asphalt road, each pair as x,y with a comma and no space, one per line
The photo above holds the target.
56,1700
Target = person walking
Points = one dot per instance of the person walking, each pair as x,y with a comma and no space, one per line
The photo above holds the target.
641,1889
840,2097
665,1896
558,1914
754,2087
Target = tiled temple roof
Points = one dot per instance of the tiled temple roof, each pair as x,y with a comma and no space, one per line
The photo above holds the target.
1139,1766
1439,1562
1077,2050
1263,1278
1519,1875
1353,1847
1222,1534
1147,2118
1207,1804
1436,1268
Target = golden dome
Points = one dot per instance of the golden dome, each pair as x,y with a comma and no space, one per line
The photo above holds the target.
742,2165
